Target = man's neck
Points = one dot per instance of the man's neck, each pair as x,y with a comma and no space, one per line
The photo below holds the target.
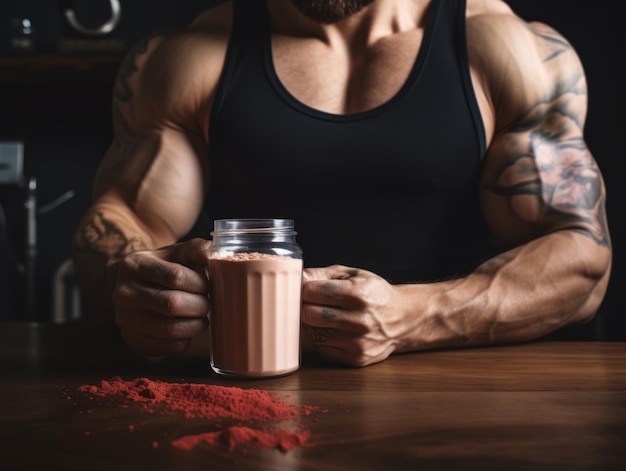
379,20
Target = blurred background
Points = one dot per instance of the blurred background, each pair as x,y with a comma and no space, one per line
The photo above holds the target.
56,77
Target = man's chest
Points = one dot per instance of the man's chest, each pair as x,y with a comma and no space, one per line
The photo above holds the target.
340,80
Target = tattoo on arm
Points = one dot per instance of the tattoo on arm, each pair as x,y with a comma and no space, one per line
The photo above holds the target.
558,173
543,168
128,139
554,42
123,90
128,143
101,236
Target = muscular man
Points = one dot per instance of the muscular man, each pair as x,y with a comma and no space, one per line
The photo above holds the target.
431,153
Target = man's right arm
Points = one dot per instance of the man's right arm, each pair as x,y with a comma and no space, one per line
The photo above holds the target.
103,237
150,186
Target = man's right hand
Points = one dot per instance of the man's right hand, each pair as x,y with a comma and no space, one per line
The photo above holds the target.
161,297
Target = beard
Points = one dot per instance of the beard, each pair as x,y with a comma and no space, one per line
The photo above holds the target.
329,11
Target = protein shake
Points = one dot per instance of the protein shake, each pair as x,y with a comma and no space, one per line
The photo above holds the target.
255,275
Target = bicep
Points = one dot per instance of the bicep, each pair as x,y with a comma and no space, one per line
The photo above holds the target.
536,182
156,165
159,175
539,176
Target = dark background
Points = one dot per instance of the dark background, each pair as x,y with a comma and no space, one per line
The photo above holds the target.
59,106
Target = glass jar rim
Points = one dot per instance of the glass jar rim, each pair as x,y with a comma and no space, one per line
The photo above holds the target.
252,225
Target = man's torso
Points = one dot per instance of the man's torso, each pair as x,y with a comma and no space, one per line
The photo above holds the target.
374,153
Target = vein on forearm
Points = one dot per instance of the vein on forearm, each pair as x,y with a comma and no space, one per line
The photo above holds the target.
519,295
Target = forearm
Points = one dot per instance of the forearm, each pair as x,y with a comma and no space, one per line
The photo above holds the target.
105,235
525,293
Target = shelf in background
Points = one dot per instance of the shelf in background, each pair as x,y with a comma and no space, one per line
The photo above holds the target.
35,67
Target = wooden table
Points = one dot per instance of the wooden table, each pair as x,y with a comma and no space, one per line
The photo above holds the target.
542,405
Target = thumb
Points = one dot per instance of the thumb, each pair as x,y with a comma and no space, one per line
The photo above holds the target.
333,272
312,274
191,253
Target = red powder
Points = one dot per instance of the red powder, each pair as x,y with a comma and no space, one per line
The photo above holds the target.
283,440
197,400
249,406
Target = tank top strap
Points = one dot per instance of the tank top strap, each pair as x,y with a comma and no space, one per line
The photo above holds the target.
248,27
464,69
447,26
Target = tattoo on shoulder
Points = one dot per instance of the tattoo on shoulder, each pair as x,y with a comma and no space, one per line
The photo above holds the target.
123,91
554,43
544,170
101,236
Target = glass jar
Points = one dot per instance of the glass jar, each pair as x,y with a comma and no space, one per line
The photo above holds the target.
255,277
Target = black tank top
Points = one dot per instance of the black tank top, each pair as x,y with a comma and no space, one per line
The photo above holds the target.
393,189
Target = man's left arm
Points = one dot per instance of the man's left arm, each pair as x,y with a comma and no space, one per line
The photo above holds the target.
542,191
543,196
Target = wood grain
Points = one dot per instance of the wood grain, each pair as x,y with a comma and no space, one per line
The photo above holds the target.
542,405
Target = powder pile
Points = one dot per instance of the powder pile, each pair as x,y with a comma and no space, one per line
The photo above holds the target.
282,439
252,408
